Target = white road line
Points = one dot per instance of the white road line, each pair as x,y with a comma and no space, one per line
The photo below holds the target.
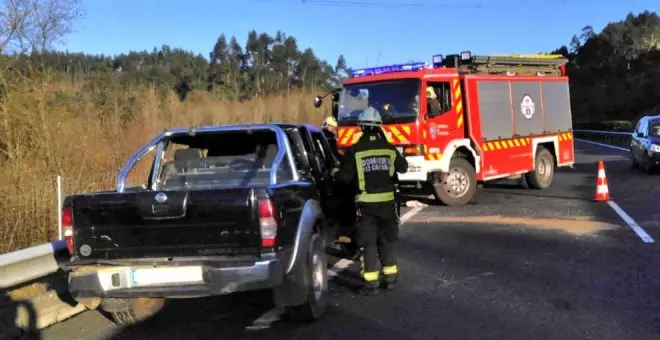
274,314
410,214
344,263
339,266
601,144
631,223
265,320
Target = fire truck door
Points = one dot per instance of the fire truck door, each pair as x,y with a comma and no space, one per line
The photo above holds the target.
440,119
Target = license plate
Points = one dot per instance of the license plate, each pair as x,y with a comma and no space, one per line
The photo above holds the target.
155,276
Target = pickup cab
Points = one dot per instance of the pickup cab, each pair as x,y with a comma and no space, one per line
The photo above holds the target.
231,209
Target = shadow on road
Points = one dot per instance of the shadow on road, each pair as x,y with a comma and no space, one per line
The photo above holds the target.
10,310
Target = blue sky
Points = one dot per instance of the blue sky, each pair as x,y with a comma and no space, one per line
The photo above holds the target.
368,35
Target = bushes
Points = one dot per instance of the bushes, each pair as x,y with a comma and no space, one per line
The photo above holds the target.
86,130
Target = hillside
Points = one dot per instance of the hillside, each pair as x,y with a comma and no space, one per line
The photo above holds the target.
615,74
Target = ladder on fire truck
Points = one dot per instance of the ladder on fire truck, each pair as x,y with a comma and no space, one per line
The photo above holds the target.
536,64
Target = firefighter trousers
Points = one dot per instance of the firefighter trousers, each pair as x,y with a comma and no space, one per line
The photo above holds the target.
377,231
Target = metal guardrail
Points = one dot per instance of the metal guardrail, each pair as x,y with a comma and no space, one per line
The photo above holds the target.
616,138
619,133
31,263
48,303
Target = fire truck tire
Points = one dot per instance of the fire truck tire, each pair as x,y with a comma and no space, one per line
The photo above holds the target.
544,170
458,186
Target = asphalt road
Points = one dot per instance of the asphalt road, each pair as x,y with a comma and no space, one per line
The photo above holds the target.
516,264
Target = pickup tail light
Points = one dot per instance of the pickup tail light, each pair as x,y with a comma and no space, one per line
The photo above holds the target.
267,223
67,229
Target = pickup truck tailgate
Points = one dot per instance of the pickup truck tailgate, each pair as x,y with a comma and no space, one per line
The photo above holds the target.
166,224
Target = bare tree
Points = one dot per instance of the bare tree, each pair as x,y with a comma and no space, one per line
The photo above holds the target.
36,25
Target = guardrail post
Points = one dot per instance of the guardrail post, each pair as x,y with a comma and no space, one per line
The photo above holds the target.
59,207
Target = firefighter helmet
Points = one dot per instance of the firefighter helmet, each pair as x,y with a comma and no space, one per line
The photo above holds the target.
370,117
329,122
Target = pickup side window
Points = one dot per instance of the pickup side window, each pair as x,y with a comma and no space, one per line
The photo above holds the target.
323,149
221,160
297,146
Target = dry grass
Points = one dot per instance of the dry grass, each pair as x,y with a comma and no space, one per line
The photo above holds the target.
85,131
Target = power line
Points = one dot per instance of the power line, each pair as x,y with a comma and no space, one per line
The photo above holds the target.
360,3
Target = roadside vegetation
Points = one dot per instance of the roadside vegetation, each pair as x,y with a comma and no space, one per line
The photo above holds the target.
614,73
81,116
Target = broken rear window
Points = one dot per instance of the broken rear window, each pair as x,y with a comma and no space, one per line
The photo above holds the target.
221,159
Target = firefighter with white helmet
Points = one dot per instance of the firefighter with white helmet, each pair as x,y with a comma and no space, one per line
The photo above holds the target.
370,166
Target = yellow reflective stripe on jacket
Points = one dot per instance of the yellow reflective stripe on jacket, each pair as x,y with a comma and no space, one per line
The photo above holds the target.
361,155
375,198
390,270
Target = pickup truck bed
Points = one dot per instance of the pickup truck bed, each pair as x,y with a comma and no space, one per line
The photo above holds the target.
189,223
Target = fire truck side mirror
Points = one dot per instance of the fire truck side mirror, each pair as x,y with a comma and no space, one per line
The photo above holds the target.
318,101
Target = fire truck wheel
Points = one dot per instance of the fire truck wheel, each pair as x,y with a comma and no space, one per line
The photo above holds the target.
458,186
544,170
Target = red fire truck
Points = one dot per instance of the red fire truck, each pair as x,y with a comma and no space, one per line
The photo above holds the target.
466,119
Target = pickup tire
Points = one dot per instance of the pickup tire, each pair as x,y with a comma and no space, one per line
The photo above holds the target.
316,272
544,170
458,186
126,312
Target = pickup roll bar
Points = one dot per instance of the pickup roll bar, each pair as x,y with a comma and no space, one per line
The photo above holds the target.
164,136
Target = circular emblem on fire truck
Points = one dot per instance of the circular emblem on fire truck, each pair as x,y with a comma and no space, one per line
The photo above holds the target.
433,130
527,106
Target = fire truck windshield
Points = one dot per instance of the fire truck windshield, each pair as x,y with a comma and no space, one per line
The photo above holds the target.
396,100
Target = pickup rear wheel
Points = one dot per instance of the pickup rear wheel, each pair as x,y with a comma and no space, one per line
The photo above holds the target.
316,270
131,311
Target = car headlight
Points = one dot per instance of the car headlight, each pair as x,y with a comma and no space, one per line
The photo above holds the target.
655,148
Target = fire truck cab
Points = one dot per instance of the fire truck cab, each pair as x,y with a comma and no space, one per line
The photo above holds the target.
466,119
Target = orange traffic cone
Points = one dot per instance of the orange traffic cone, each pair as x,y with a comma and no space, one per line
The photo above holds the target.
602,192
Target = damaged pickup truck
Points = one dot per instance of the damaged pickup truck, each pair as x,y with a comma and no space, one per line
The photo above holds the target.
224,209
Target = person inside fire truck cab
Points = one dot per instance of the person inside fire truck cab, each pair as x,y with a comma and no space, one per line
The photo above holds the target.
370,166
432,102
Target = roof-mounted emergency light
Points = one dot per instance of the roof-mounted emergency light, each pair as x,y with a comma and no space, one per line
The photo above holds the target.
438,60
466,56
412,66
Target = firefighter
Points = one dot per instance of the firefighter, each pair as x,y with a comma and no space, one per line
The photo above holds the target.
370,165
329,128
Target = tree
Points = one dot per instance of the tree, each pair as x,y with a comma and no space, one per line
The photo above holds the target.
36,25
614,73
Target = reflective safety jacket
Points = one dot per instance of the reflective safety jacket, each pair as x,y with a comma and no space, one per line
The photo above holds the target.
370,164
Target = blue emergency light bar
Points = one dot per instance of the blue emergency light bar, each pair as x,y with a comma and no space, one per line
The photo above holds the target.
412,66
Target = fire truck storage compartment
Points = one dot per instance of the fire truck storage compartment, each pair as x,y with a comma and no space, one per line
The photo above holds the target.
551,108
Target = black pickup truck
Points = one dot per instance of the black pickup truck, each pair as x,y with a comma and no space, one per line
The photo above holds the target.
224,209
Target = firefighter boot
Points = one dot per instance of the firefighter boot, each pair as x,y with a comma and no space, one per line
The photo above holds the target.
370,283
370,289
391,274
